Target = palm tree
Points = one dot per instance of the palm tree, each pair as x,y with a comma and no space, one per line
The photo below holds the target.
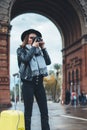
57,67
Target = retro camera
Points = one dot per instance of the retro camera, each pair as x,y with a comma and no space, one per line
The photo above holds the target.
38,39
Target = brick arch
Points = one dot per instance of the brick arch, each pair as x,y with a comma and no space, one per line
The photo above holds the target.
65,16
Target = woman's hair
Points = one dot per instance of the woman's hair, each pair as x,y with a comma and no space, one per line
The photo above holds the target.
25,41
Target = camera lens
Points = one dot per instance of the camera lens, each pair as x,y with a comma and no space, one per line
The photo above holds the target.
38,39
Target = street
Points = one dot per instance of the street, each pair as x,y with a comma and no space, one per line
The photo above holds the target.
61,117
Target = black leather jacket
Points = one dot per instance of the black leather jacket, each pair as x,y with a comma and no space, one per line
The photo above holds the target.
24,55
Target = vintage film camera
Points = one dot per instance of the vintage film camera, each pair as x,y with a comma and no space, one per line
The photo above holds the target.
37,39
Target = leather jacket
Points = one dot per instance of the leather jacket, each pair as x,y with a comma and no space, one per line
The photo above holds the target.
24,55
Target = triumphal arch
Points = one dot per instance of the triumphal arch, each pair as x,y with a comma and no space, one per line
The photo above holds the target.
70,16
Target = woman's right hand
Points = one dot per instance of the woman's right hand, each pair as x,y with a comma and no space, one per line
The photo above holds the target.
35,44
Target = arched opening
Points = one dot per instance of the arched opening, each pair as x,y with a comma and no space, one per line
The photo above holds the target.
64,16
69,77
77,75
73,80
50,34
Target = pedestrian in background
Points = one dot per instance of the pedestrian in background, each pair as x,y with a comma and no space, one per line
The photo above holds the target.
33,59
73,98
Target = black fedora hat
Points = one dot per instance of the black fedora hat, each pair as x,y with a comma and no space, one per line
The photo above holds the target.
29,32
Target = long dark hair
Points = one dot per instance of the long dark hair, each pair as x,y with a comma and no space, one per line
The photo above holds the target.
25,41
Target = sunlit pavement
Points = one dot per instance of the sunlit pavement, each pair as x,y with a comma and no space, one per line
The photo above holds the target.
61,117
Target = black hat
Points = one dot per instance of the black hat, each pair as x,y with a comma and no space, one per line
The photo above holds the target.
29,32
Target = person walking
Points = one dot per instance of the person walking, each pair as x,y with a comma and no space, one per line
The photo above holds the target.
33,59
74,98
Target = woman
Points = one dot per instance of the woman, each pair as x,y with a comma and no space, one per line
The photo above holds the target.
32,60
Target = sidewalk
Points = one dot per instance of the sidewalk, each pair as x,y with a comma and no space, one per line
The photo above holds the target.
61,117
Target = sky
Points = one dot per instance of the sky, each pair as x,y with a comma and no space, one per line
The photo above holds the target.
50,34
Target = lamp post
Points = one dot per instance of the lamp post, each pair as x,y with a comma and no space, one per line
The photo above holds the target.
14,75
18,76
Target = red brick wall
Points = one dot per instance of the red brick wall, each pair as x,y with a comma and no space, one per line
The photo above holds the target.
75,58
4,66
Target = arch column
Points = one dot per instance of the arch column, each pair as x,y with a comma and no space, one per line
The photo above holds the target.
4,65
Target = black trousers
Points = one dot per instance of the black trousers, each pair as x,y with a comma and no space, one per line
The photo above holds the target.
29,90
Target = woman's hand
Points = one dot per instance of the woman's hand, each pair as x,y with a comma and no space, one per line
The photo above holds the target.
41,44
35,44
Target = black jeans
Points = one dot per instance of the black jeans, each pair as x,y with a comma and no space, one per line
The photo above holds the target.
29,90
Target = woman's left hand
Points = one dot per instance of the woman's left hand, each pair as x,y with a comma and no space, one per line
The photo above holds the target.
41,44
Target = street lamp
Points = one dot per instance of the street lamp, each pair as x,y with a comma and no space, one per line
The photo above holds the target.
15,90
18,76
